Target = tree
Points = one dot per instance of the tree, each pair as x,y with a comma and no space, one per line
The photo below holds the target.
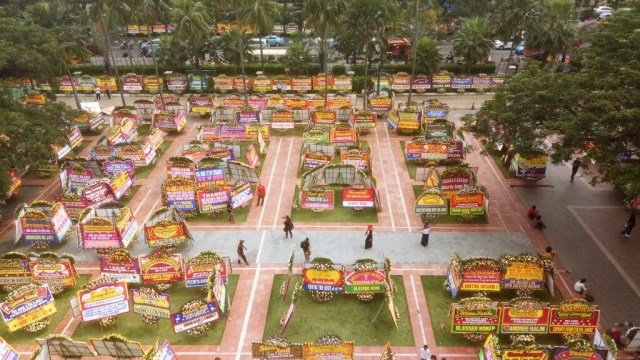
322,16
512,17
592,111
192,26
551,29
472,41
27,134
235,47
428,56
21,55
297,59
260,14
66,40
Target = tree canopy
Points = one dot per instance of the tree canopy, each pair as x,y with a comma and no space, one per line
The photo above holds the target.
592,111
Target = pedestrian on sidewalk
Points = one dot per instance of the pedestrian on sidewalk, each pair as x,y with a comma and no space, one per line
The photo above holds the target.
631,223
261,193
306,249
368,241
574,168
96,90
532,213
241,249
425,353
538,223
425,234
232,216
108,92
288,226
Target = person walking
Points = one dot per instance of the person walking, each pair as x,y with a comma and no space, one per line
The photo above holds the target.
261,193
574,168
96,90
232,216
306,249
288,226
368,241
425,234
108,92
533,212
241,249
631,223
425,353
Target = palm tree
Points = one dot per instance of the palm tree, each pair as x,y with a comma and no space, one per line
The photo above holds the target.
235,46
512,17
473,41
323,15
192,25
148,12
103,14
260,14
297,58
66,36
414,42
551,29
428,56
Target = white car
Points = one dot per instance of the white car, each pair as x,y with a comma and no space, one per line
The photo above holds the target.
603,11
502,45
146,44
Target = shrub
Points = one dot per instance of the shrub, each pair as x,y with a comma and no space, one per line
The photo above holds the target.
338,70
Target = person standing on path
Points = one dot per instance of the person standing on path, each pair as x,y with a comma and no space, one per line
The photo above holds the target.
425,353
241,249
306,249
426,229
631,223
96,90
288,226
261,193
232,216
574,168
368,241
108,92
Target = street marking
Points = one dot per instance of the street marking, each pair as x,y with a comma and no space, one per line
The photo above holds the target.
604,250
142,202
284,180
266,198
264,234
146,218
64,331
384,180
395,170
415,298
247,315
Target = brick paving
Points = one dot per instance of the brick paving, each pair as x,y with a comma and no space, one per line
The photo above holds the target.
578,218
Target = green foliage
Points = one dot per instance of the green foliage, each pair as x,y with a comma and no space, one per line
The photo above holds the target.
473,41
428,57
338,70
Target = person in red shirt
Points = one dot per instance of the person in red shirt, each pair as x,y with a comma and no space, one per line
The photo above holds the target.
261,193
533,213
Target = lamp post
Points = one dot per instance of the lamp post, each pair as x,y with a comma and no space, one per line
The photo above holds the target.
366,72
383,54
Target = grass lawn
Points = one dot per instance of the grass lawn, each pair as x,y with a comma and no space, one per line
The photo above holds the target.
451,219
20,337
241,214
144,171
338,214
78,149
297,131
133,328
343,315
439,303
144,130
497,158
132,192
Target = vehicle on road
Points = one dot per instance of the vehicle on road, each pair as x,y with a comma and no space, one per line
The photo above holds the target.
603,11
501,45
254,43
519,49
274,40
330,42
146,44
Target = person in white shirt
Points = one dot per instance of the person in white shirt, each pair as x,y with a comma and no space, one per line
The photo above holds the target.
581,286
425,353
